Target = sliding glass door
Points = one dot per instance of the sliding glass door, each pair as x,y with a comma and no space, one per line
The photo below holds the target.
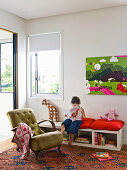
8,80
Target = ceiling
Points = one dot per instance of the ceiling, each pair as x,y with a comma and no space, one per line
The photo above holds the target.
32,9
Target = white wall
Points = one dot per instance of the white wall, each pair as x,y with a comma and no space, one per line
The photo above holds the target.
16,24
100,32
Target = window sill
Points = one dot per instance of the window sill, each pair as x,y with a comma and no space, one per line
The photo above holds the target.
48,96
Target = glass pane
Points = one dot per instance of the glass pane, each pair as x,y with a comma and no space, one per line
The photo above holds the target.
33,72
7,67
48,71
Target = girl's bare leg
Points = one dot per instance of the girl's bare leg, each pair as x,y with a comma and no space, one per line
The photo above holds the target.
62,128
70,138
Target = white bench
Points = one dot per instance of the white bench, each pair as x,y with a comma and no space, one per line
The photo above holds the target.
118,136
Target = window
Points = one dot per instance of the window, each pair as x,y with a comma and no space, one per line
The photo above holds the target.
46,64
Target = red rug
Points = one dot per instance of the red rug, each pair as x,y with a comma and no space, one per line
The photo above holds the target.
70,158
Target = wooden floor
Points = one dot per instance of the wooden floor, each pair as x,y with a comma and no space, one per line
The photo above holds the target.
6,145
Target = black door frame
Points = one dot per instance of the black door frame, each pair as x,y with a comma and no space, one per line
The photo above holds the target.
15,68
15,72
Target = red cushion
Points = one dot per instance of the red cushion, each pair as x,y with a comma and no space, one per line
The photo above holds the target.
86,122
103,124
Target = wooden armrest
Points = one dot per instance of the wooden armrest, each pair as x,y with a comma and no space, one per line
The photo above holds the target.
14,129
52,123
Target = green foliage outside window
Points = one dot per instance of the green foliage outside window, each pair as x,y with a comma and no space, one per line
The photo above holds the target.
54,88
7,79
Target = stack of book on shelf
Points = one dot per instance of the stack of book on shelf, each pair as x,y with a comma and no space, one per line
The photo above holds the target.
82,139
102,156
100,139
110,142
65,137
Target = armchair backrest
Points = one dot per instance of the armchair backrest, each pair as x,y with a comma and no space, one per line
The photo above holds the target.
24,115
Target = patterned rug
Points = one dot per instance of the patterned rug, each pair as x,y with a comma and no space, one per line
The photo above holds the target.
70,158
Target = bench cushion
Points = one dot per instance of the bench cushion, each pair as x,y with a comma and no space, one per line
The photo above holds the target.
86,122
103,124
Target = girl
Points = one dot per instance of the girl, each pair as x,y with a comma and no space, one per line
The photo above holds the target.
73,122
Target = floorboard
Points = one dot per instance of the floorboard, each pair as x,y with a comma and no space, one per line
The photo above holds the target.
6,145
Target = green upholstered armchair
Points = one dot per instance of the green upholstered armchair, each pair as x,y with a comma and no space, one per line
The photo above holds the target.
41,140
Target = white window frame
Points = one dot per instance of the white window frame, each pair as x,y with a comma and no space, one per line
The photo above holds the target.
29,75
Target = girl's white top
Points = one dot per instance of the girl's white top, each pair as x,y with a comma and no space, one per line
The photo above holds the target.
75,113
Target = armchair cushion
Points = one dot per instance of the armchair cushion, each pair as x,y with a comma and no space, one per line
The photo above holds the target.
46,141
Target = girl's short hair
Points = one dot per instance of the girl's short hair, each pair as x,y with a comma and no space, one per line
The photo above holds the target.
76,100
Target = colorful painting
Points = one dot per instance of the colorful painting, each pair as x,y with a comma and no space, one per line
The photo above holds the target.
106,75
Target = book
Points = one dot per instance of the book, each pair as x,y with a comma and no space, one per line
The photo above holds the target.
82,139
96,140
102,154
65,137
103,159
